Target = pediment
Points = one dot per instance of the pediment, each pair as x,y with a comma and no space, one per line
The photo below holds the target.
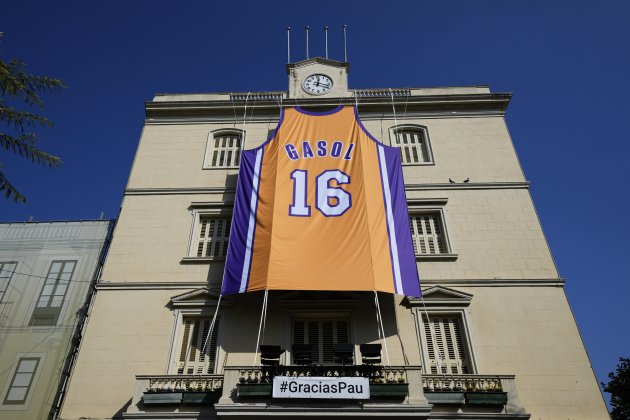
440,295
197,297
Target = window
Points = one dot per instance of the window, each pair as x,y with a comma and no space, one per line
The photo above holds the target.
322,334
445,346
224,149
6,272
22,381
50,302
413,142
212,236
192,359
427,234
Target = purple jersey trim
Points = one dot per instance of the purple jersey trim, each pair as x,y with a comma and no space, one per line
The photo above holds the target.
406,255
240,224
318,114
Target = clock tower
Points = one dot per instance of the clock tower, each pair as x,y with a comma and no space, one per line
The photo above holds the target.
318,77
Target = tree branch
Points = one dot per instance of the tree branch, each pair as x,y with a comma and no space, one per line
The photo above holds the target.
24,146
10,190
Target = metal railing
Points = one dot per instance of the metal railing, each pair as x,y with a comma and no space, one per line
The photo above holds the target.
184,383
463,382
376,374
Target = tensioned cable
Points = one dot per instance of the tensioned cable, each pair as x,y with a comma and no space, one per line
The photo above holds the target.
262,317
436,347
211,330
380,317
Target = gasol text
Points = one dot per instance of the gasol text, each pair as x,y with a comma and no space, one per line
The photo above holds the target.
321,148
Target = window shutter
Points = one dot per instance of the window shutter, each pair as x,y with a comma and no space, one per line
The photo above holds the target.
427,234
214,235
445,346
314,339
322,334
226,150
412,145
191,359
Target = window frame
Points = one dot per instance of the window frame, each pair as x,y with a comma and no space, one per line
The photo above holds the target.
466,337
218,210
207,159
177,336
423,132
72,283
5,305
436,207
24,405
3,293
324,315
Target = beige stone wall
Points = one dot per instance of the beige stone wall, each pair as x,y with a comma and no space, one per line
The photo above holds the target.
530,332
129,333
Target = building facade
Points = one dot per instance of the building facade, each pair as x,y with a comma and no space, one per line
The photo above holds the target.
492,337
47,273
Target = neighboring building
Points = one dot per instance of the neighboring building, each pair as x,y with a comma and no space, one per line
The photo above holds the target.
494,315
47,274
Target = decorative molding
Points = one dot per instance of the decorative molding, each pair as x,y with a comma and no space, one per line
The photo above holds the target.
453,105
423,202
441,296
437,257
110,285
558,282
180,191
468,186
201,260
210,204
408,187
381,93
258,96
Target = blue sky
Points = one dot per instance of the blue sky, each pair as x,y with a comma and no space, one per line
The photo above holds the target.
566,62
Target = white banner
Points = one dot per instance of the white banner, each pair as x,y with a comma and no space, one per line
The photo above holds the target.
321,387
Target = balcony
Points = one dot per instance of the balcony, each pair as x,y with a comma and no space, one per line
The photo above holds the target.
394,391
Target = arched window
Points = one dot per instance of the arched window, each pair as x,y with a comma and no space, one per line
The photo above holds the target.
413,141
224,149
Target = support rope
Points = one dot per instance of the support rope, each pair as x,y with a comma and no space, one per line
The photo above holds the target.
260,325
380,319
214,320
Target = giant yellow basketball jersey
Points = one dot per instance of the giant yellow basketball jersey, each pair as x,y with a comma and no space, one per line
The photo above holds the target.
321,206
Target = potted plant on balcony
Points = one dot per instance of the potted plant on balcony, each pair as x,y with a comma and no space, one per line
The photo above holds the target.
491,395
162,396
446,395
389,389
201,395
252,389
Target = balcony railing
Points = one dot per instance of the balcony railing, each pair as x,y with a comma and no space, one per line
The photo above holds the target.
376,374
173,393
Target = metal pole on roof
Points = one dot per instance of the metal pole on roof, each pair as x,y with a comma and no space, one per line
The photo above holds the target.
326,32
307,28
345,44
289,44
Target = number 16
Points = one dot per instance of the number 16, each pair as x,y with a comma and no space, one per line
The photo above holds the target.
324,194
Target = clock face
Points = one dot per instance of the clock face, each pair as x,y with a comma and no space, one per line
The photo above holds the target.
317,84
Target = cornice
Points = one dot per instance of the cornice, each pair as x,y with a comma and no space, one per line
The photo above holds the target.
408,187
553,282
119,285
453,105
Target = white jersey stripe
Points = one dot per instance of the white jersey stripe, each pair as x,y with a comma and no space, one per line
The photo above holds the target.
393,244
252,222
